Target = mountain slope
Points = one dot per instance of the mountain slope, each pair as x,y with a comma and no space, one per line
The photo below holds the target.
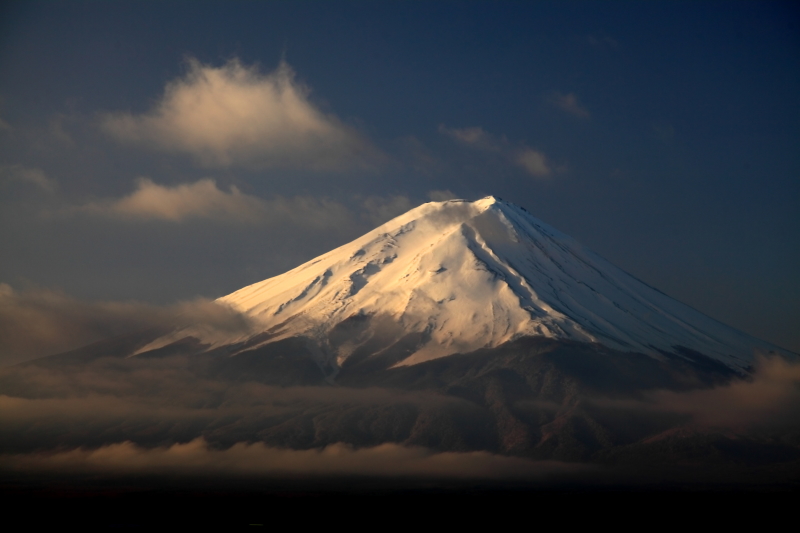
456,276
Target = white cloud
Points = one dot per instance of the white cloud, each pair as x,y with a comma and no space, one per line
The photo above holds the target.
204,199
534,162
201,199
569,104
235,115
33,176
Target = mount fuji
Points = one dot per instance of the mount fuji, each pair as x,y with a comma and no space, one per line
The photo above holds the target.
458,276
457,326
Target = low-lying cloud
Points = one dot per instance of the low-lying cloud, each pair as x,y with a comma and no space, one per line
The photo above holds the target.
40,322
181,415
771,398
234,115
196,458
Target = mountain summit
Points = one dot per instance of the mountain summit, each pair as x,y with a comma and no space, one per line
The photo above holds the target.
455,276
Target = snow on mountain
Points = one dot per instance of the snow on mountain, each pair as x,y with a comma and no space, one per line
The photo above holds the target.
466,275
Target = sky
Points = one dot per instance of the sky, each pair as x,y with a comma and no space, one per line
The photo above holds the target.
156,153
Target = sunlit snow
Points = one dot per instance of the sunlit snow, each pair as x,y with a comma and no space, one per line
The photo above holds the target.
468,275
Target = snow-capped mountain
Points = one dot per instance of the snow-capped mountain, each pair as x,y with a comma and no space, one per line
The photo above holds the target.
458,326
457,276
468,275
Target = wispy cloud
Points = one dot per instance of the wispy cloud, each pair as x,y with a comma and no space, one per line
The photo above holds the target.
441,195
602,41
533,161
235,115
474,135
40,322
771,398
31,176
201,199
569,103
379,209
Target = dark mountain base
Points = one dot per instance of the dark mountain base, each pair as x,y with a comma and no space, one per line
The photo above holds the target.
535,398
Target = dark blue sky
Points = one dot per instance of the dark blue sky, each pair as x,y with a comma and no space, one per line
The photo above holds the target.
664,135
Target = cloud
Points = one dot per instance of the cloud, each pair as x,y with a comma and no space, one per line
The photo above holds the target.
473,135
768,402
533,161
201,199
196,458
186,415
41,322
569,104
236,116
442,195
771,398
379,209
32,176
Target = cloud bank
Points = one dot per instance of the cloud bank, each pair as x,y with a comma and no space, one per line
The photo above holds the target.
186,415
41,322
771,398
196,458
236,116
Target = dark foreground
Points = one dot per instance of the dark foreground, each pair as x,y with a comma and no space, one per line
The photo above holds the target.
364,504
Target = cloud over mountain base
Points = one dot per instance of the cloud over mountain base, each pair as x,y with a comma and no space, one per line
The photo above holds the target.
533,412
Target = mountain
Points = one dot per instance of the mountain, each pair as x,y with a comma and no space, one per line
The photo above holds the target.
458,326
456,276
